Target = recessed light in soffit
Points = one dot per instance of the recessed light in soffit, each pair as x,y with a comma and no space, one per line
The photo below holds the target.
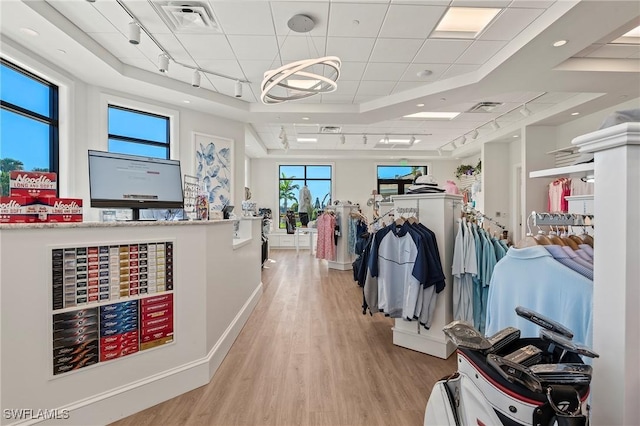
464,22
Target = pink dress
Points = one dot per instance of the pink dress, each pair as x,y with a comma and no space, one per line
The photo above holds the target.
326,248
450,187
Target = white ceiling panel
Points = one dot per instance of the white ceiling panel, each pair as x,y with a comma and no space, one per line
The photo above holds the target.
359,99
202,46
411,73
147,15
395,50
295,48
510,23
375,88
318,11
356,20
92,20
384,71
442,51
253,47
345,87
226,67
406,85
114,13
149,49
352,70
480,52
480,3
254,70
615,51
244,18
431,2
337,99
117,44
356,49
555,97
459,69
541,4
411,21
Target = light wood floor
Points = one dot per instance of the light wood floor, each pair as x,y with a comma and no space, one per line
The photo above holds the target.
307,356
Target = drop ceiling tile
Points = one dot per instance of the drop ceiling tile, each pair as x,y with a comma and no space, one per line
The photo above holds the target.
234,18
441,51
375,88
614,51
253,47
540,4
114,13
353,49
555,97
85,16
227,87
295,48
254,70
411,21
459,69
360,99
431,2
352,70
480,3
318,11
346,87
118,45
411,73
395,50
510,23
146,14
368,16
201,46
480,52
384,71
337,99
149,49
406,85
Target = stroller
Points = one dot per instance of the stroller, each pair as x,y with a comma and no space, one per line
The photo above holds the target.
512,381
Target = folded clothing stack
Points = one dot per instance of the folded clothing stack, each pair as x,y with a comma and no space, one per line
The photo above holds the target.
425,185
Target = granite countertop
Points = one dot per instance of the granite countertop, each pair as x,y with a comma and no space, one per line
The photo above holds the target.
47,225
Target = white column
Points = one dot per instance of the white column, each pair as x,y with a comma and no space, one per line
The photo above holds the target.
616,294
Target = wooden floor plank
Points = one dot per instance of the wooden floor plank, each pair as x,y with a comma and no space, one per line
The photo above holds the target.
307,356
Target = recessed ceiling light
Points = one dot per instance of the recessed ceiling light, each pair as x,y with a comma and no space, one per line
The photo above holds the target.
62,51
516,136
307,139
29,32
419,105
305,118
575,113
434,115
631,37
186,102
464,22
559,43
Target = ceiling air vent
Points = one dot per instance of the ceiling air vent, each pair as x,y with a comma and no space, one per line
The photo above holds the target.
330,129
189,17
485,106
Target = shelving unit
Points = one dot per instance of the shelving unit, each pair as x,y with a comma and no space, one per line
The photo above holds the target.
578,169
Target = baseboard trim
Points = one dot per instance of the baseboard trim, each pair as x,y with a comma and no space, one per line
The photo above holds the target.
133,397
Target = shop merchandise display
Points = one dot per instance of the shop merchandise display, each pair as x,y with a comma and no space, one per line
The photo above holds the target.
85,276
403,272
358,231
327,239
561,188
424,185
304,205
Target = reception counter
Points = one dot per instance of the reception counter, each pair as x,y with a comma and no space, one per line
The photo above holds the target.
182,292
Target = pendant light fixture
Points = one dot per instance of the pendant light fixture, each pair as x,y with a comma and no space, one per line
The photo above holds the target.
195,79
525,111
134,33
300,79
238,89
163,63
364,139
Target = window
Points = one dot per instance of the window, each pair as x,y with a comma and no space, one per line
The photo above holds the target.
29,117
138,133
292,179
395,180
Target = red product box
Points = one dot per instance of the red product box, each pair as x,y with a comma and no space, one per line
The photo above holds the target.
166,311
61,209
155,336
148,309
156,322
157,299
18,210
32,184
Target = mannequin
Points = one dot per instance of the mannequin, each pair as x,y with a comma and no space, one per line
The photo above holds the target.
304,205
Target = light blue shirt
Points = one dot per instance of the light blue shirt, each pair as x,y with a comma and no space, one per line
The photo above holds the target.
488,258
561,256
498,249
532,278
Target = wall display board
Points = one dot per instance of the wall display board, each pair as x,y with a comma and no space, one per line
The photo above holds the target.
86,328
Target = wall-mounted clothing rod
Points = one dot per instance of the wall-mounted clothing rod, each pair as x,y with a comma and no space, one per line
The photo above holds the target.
561,219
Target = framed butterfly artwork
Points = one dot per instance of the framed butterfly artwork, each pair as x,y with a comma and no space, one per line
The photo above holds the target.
214,168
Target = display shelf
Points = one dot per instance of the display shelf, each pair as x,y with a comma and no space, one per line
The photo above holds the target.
563,171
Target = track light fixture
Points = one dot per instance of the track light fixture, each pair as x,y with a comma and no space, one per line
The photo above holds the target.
134,33
495,125
283,134
364,139
412,140
342,139
238,89
474,134
195,79
463,139
386,139
525,111
163,63
453,144
440,152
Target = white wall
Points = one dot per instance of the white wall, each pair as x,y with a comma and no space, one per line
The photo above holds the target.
538,140
516,189
495,181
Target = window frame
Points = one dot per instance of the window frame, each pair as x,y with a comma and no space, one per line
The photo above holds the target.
401,183
165,145
52,121
331,180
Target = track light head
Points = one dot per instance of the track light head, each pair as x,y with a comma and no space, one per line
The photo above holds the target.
495,125
440,152
364,139
525,111
386,139
412,140
163,63
134,33
474,134
283,134
195,79
453,144
238,89
343,139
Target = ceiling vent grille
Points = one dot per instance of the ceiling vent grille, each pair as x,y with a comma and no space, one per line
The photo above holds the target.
331,129
485,106
189,17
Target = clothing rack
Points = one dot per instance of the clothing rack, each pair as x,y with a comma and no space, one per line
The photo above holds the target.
561,219
413,210
480,215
